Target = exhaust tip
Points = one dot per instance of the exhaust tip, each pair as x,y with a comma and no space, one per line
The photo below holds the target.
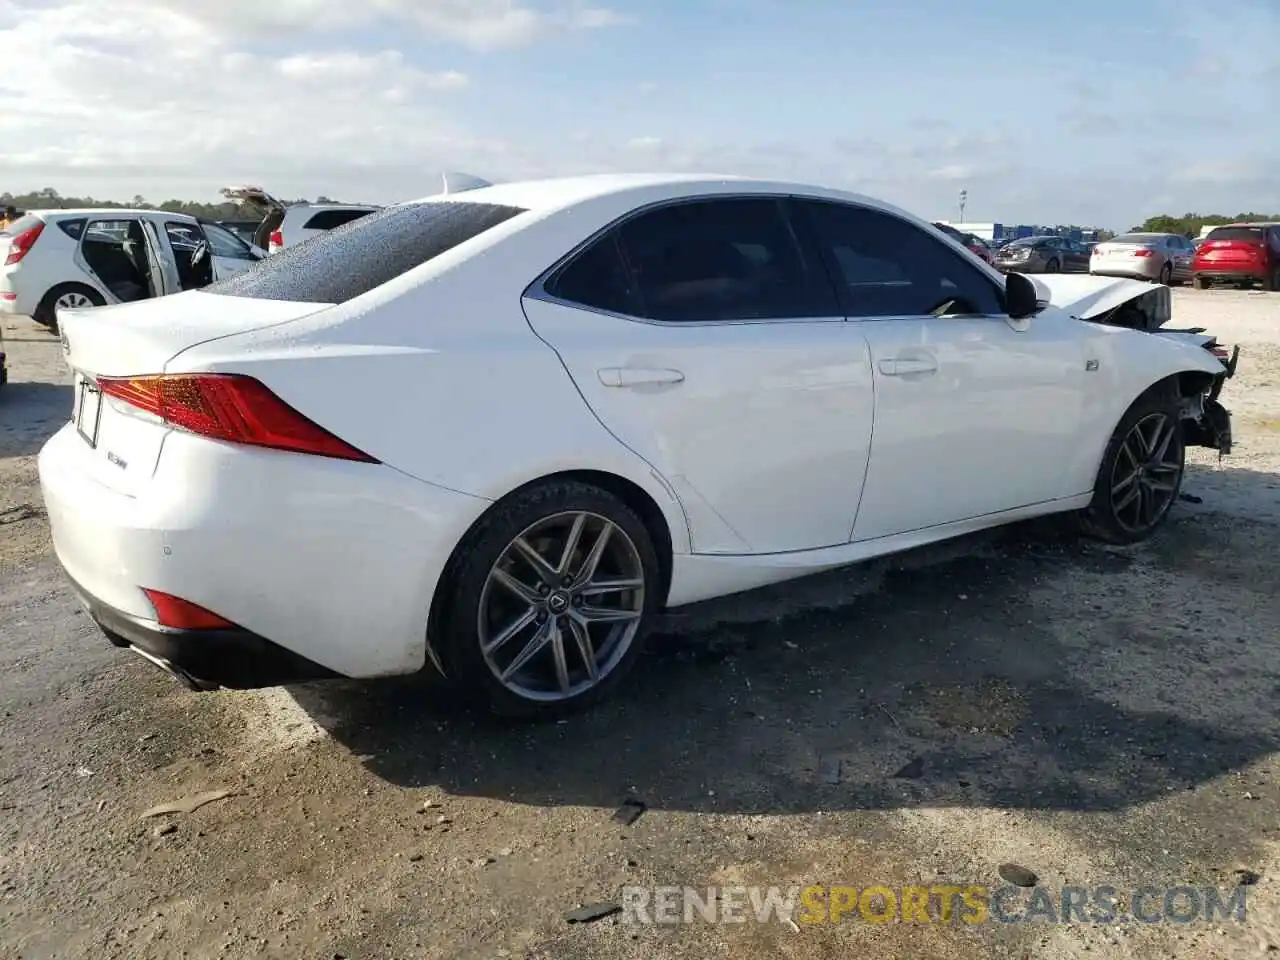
184,678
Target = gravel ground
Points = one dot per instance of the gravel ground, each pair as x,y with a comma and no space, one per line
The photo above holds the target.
1098,716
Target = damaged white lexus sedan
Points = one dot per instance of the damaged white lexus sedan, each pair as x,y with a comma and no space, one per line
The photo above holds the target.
492,434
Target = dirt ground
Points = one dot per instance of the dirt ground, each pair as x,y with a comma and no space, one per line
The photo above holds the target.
1098,716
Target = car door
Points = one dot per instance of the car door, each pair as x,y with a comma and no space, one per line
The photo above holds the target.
1079,256
1182,253
974,414
230,254
707,342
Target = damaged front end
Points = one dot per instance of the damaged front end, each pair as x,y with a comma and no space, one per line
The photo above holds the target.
1138,305
1205,421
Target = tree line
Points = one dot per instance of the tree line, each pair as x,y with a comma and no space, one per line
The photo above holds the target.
50,199
1190,224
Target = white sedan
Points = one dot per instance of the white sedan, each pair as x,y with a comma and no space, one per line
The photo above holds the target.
494,433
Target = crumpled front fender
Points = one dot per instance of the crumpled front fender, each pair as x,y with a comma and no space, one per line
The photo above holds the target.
1101,299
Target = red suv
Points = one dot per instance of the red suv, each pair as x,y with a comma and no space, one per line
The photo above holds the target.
1241,253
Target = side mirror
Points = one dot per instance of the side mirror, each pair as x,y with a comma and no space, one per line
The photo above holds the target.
1021,299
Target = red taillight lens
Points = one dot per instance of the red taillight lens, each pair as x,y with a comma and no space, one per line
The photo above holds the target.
229,407
179,614
23,243
277,238
1142,253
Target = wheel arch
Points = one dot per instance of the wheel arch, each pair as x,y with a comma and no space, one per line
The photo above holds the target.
628,491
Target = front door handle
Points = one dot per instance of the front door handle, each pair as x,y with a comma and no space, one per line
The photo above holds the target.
902,367
638,376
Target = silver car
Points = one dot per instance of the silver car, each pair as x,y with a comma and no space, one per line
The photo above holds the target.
1160,257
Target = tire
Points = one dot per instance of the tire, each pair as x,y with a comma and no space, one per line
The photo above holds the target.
1272,282
46,315
1053,267
482,604
1199,282
1166,274
1113,516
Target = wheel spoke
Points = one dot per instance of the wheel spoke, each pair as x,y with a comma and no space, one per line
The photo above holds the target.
1126,482
571,544
1127,500
536,645
546,572
587,650
520,589
1162,439
559,655
513,628
606,615
598,548
1165,486
610,586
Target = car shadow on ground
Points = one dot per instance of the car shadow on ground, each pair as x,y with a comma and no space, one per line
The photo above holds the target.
30,413
1024,669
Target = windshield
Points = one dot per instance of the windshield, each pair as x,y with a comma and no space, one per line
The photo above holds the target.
357,257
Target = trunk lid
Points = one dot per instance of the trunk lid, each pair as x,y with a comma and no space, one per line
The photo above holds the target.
121,443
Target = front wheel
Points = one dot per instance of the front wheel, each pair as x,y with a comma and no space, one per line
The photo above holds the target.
1052,267
1141,471
1166,274
551,594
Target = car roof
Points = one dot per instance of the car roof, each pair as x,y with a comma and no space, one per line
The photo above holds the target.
1261,223
107,212
563,192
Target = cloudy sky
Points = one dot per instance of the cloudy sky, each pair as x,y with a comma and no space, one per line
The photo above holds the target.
1085,111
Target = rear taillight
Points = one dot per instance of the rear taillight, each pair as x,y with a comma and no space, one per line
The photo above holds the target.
22,243
229,407
1142,252
178,614
277,239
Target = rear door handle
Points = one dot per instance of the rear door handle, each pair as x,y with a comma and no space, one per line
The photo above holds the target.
901,367
638,376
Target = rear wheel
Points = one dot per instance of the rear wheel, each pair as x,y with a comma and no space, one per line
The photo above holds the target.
551,594
1052,267
65,296
1166,274
1141,471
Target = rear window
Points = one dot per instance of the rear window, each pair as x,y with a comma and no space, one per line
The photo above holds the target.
72,228
1138,238
336,266
21,225
329,219
1247,234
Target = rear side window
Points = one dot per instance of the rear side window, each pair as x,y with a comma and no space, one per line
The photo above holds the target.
336,266
328,219
597,278
1246,234
72,228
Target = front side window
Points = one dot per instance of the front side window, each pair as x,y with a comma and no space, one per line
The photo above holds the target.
226,244
722,260
892,268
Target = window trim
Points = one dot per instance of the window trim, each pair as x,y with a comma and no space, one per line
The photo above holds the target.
811,239
537,290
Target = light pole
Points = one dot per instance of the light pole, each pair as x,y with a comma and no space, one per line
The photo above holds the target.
964,198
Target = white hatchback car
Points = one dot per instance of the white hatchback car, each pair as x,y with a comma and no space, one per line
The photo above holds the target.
53,260
498,431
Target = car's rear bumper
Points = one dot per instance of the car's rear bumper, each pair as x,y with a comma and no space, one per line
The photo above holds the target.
1229,273
334,562
237,659
1128,271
